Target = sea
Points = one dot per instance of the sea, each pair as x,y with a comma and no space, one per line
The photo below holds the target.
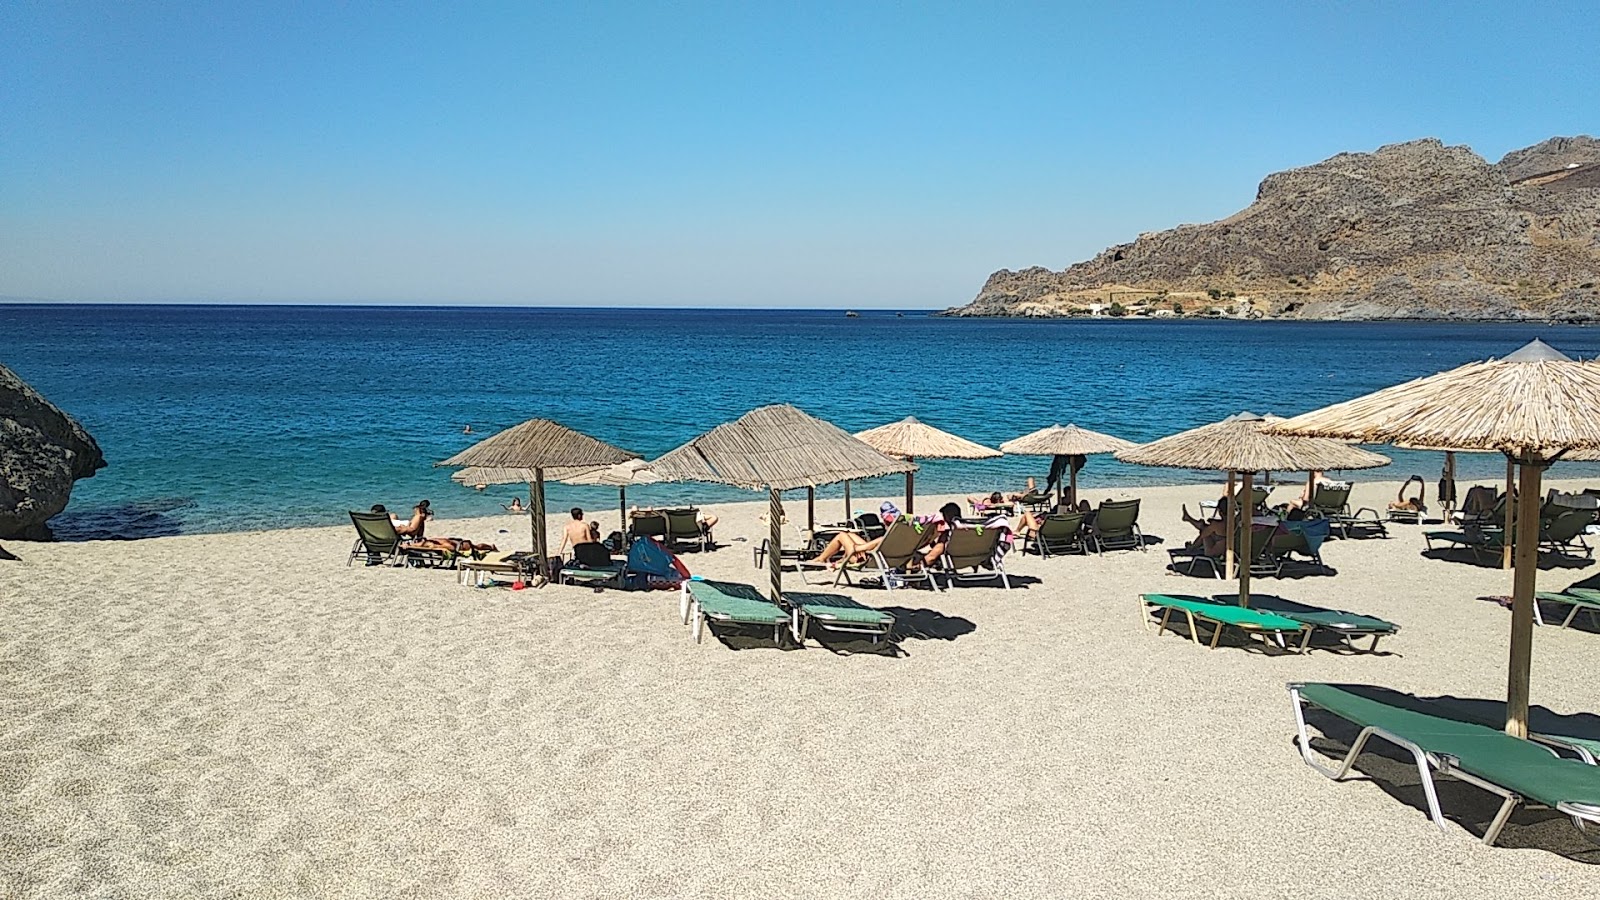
227,418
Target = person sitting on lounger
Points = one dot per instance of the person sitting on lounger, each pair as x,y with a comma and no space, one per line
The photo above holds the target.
576,531
418,522
981,505
1213,534
851,547
1031,490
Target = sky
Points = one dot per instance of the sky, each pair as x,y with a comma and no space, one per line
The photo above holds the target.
743,154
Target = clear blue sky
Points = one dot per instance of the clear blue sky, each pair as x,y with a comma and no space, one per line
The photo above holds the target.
739,154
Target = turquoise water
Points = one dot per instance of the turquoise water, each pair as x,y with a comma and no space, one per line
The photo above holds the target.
223,418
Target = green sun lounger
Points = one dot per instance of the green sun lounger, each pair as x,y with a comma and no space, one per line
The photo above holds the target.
837,613
729,602
1580,599
1346,625
1518,771
1219,615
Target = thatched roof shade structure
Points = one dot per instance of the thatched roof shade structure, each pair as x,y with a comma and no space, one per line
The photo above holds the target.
1240,444
776,447
1535,405
911,439
534,446
1065,442
779,448
620,476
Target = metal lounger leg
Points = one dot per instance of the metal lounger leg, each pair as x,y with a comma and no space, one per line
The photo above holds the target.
699,622
1417,753
683,602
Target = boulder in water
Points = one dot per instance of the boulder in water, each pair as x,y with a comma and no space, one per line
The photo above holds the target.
42,452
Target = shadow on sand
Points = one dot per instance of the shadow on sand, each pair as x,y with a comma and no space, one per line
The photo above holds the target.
1395,772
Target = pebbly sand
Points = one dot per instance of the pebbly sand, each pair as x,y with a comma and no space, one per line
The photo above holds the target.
242,715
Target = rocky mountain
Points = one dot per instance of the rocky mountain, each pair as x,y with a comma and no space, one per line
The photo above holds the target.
1416,230
42,452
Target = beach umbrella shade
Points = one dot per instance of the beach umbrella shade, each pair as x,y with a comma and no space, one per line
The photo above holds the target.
1064,442
1239,444
530,449
910,439
778,448
620,476
1536,406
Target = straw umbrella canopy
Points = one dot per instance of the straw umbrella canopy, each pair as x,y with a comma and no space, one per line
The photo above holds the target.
1239,444
1065,441
910,439
778,448
528,449
1536,406
620,476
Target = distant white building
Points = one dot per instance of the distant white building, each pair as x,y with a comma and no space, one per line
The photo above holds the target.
1097,309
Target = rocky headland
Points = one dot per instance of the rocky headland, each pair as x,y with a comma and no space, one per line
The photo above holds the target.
1416,230
42,452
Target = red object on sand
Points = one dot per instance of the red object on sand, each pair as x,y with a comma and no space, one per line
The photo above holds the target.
517,585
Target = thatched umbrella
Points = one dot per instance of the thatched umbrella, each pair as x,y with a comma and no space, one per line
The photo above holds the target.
1238,444
1535,406
1065,441
531,448
910,439
620,476
778,448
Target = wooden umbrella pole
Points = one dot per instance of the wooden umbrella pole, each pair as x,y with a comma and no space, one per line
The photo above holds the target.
775,552
1522,599
1228,522
1245,523
1311,486
1072,497
1505,551
811,509
622,511
910,479
847,514
541,556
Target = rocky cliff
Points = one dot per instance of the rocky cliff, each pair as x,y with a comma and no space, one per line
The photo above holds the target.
1414,230
42,452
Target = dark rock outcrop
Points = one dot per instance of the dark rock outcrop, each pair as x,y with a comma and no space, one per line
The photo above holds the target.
42,452
1413,230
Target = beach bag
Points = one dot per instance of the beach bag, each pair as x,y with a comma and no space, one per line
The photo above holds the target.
615,542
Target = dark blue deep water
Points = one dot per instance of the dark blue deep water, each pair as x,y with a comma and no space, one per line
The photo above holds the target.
225,417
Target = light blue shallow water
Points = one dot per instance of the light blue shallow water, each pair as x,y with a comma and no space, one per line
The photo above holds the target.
222,418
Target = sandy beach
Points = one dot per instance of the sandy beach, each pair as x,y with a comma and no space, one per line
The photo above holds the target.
243,715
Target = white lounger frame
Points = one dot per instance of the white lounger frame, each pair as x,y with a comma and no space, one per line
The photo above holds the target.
1427,763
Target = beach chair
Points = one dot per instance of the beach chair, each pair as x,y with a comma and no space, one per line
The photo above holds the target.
835,613
683,527
1258,501
895,556
1480,506
648,524
729,603
502,565
1580,599
975,549
1347,626
1220,615
1516,770
1304,537
1058,533
1036,502
1116,525
1563,534
377,540
870,525
1261,560
1484,543
592,566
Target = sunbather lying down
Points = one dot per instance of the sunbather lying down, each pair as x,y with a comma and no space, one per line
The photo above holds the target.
850,547
459,546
